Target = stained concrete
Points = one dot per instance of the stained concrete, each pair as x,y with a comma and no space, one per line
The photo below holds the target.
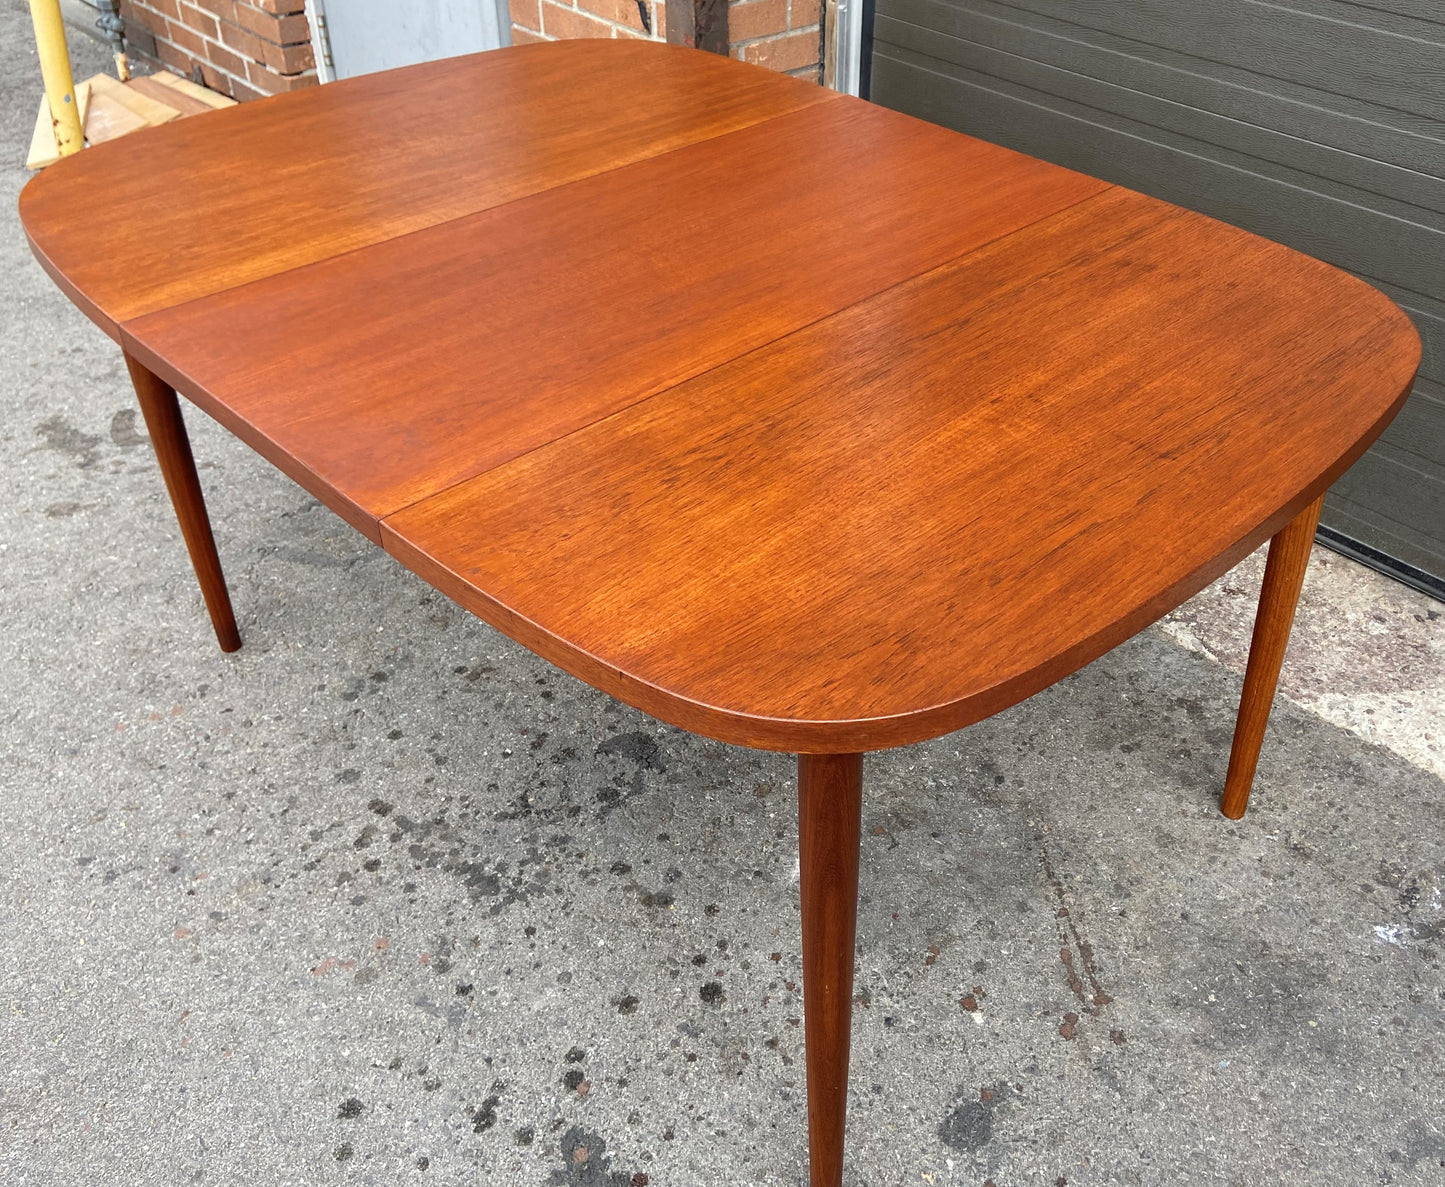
1366,653
383,899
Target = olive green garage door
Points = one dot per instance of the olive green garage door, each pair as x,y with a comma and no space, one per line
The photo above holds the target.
1317,123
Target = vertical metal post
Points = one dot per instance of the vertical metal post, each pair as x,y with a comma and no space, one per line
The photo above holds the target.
55,69
843,45
112,24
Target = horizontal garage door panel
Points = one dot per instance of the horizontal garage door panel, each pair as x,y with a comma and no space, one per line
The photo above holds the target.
1328,135
1378,12
1359,125
1416,441
1348,57
1250,192
1127,90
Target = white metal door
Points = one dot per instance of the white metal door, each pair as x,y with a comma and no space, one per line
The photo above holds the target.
362,36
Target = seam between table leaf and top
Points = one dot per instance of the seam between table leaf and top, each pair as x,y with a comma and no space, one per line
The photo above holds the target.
131,344
136,347
829,98
731,359
618,682
184,384
768,731
1108,189
824,96
886,731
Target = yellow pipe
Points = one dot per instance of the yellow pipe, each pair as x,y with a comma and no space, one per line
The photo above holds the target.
55,69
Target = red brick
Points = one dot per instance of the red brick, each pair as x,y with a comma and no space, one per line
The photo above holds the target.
224,59
526,13
282,30
567,24
261,24
217,81
280,6
802,14
522,36
620,12
202,22
190,41
272,83
241,92
794,51
248,45
757,18
288,59
177,59
224,10
165,8
266,81
142,18
139,40
294,29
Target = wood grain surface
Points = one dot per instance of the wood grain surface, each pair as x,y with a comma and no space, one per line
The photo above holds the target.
172,447
790,421
830,808
787,420
256,189
910,515
171,96
1284,576
507,329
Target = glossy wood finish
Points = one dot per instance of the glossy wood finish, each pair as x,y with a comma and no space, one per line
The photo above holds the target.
218,200
902,429
830,804
172,447
514,327
910,515
1284,575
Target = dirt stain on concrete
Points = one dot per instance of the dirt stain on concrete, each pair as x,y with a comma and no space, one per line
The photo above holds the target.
586,1163
1076,954
63,437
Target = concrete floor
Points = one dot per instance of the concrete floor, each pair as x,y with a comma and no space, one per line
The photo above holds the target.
384,899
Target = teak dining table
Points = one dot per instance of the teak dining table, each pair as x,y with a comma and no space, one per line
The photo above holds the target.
790,420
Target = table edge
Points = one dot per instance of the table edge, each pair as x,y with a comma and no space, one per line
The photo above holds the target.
31,191
844,736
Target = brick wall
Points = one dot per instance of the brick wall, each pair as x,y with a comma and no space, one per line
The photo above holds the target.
568,20
249,48
245,48
778,34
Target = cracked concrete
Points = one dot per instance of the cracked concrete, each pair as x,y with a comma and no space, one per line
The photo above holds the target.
382,898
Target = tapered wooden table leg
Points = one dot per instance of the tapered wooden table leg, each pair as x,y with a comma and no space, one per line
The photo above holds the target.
1284,574
830,794
162,412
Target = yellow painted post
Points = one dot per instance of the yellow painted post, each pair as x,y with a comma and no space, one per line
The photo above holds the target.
55,69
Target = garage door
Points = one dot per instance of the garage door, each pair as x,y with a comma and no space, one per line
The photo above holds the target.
1320,125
